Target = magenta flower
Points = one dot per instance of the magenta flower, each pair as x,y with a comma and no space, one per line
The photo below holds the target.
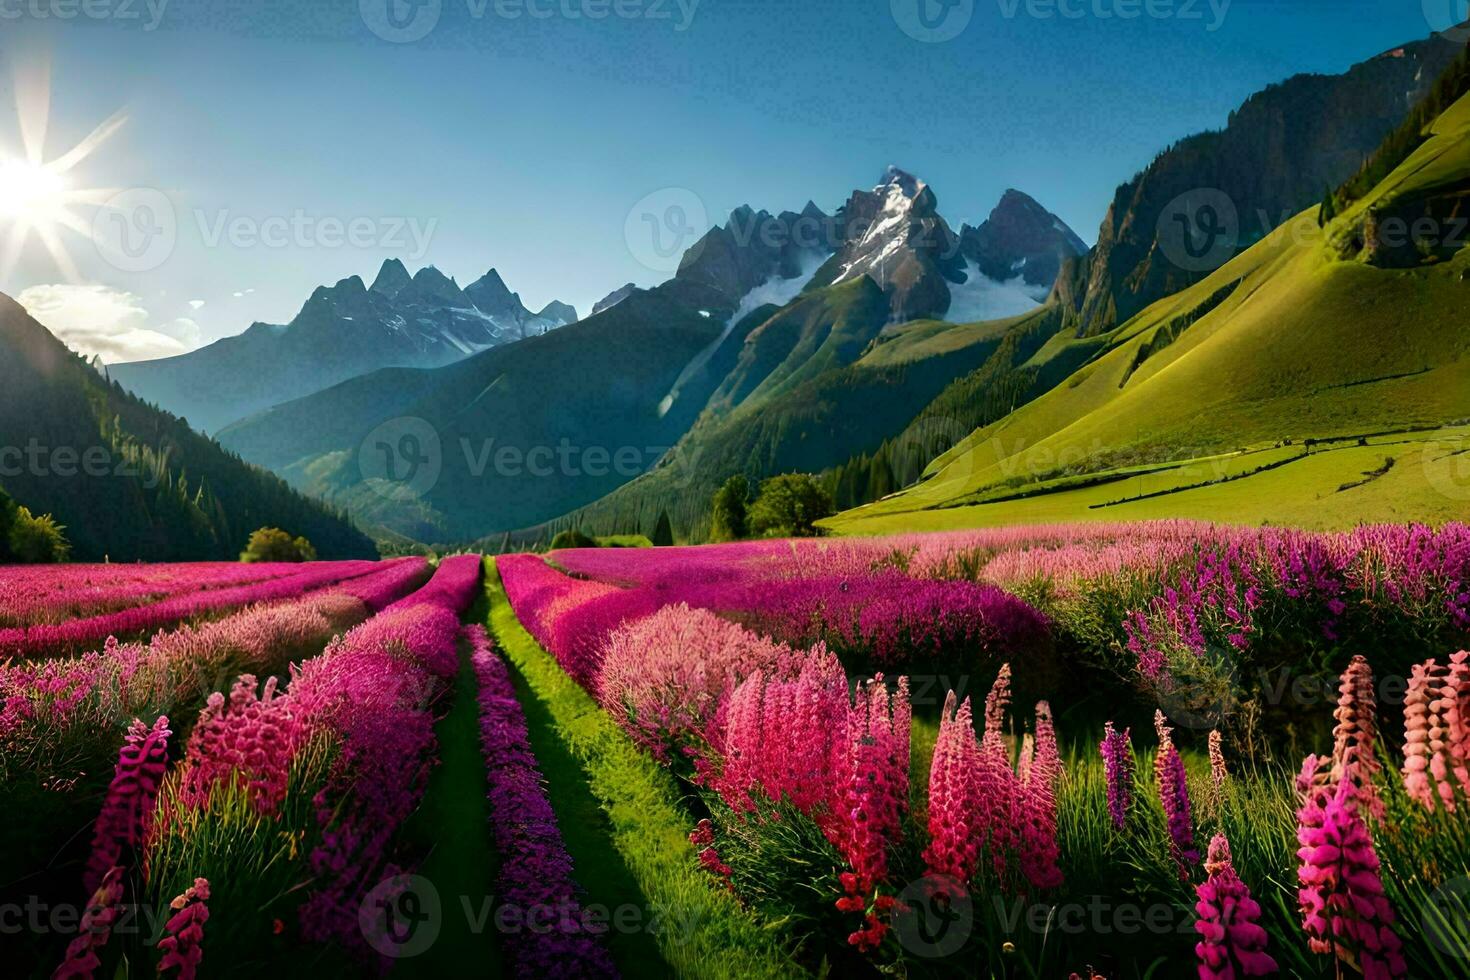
955,837
1344,909
127,813
1173,789
1039,851
665,677
1232,943
1117,753
250,740
183,941
82,961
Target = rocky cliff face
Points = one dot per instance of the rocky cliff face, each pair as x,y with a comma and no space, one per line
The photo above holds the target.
1021,239
1212,195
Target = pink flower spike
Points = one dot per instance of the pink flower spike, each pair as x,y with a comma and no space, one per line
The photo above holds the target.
183,941
1173,787
127,813
1344,909
1117,756
1232,943
82,962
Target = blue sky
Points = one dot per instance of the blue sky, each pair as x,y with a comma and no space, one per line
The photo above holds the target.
524,142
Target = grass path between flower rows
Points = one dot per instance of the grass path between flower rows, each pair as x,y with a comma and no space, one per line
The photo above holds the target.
452,827
626,828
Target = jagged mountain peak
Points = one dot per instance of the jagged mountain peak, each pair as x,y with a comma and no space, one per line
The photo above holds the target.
556,310
614,298
342,331
894,235
754,249
392,277
492,296
1021,239
895,178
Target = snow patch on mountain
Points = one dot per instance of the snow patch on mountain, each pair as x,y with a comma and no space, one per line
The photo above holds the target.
983,298
775,291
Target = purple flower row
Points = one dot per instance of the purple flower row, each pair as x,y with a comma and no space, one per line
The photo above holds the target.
77,634
106,688
31,595
535,871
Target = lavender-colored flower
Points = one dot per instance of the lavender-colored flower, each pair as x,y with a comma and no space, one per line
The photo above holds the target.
1173,789
535,870
1117,753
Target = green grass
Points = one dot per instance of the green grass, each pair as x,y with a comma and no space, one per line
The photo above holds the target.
1334,487
598,865
707,934
624,541
1307,346
451,827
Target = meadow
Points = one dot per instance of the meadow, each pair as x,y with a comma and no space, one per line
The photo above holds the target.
1140,749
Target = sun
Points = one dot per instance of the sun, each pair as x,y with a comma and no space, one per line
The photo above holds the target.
37,195
31,193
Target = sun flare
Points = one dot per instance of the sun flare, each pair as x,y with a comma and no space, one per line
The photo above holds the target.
36,195
29,192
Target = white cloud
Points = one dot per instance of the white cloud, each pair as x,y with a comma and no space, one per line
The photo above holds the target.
96,320
195,304
983,298
244,292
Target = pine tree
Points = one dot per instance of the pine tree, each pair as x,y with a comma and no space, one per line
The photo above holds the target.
663,531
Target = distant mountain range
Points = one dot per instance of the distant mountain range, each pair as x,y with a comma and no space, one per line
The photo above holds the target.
343,331
745,322
866,343
129,482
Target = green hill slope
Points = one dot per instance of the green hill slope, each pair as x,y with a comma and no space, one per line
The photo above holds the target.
130,482
819,382
1315,340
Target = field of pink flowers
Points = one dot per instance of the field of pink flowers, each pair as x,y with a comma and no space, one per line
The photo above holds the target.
72,635
1154,812
1146,750
251,776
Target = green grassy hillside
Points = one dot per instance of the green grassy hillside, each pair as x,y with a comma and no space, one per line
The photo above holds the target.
128,481
1301,338
819,382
